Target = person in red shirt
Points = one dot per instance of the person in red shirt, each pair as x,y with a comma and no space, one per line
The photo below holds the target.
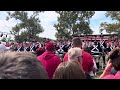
114,62
49,59
87,58
7,45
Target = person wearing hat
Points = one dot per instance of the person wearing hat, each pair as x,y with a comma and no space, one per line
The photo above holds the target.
49,59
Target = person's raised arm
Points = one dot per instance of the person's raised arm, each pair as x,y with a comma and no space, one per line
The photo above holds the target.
107,69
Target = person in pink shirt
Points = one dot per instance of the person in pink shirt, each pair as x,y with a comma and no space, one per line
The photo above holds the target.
49,59
114,62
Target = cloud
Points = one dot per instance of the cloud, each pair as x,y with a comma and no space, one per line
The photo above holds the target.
96,30
48,19
97,19
5,26
98,15
3,15
95,25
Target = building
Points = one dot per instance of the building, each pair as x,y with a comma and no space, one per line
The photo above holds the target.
99,37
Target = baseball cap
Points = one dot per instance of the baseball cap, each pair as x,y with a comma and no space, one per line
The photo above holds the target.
50,46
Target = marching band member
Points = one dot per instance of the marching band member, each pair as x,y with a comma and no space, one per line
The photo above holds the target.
103,46
25,47
20,48
109,46
95,51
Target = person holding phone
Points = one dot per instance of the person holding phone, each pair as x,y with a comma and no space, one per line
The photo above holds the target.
114,62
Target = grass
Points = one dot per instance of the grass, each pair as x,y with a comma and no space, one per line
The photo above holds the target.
101,70
98,74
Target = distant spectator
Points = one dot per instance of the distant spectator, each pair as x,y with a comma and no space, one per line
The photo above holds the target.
3,48
21,65
49,59
69,70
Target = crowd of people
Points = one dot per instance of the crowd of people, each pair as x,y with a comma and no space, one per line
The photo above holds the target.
73,59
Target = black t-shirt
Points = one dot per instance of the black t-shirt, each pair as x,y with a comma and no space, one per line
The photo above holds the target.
108,49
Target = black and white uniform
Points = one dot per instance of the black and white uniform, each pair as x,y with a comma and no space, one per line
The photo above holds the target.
60,52
96,51
25,49
32,48
110,48
21,48
103,46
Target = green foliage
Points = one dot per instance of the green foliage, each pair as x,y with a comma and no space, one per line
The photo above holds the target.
28,26
7,39
73,22
3,39
112,27
115,15
25,38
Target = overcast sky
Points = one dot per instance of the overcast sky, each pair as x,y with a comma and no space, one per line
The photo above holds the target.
49,18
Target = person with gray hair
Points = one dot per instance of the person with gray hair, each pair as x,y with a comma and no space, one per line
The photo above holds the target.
75,54
3,48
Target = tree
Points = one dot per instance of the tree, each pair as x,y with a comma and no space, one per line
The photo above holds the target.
111,27
28,25
5,39
72,23
25,38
